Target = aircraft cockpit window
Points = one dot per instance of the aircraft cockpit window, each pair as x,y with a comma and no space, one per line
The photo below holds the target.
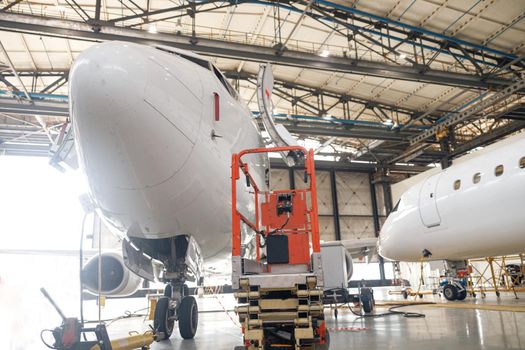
203,63
522,162
224,82
200,62
396,206
476,178
457,185
499,170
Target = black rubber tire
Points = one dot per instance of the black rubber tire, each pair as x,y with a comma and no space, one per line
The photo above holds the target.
167,291
405,294
367,305
450,292
161,321
420,296
188,313
185,290
462,295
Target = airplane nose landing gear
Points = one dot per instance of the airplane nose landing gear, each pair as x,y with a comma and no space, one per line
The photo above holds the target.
188,315
164,318
176,305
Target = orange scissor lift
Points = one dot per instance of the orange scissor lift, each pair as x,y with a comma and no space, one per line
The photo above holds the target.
279,289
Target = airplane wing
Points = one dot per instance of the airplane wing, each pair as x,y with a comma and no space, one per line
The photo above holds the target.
360,247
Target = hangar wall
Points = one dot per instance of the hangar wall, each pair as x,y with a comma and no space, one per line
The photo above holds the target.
351,206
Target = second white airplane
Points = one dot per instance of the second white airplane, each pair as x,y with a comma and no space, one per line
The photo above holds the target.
475,208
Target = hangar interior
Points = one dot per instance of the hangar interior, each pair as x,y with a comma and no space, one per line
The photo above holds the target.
381,91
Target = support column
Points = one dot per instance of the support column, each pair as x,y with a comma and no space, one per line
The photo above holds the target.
98,4
335,205
377,224
291,178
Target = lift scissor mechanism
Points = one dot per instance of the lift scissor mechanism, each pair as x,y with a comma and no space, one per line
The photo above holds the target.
279,290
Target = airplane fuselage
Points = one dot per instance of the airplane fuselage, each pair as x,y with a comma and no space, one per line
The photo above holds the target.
475,208
155,131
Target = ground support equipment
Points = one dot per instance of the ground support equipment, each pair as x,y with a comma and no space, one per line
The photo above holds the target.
279,289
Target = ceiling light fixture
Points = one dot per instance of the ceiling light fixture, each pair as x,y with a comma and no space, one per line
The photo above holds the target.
178,26
152,28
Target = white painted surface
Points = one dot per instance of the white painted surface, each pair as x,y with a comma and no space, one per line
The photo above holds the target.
143,122
477,220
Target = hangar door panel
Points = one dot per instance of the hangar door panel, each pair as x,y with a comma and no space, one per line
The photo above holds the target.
427,202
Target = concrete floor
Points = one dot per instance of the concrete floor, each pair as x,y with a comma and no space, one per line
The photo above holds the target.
25,313
442,328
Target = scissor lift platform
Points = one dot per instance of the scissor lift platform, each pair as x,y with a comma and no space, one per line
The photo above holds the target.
279,291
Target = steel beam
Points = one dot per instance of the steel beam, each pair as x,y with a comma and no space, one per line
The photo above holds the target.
342,98
487,138
291,178
377,225
83,31
335,205
356,167
479,107
16,149
348,132
40,108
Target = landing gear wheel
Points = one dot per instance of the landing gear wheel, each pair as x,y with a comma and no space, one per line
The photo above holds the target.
462,295
163,321
405,294
450,292
420,296
498,293
367,304
188,317
185,291
167,291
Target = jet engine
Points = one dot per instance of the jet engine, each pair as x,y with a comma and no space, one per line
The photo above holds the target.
116,278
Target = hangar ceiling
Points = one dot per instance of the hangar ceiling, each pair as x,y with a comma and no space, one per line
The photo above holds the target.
369,80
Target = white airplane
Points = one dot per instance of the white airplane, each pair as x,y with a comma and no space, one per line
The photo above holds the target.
474,208
154,130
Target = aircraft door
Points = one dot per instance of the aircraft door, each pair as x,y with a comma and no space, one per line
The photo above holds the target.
427,202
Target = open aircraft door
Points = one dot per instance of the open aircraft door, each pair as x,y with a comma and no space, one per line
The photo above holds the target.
280,136
427,202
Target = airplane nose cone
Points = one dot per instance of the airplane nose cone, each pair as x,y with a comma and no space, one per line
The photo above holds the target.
134,122
385,240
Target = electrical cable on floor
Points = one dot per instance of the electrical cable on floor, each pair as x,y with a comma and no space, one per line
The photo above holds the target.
127,314
392,311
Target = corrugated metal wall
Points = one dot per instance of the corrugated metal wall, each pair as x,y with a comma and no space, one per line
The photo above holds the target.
354,201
